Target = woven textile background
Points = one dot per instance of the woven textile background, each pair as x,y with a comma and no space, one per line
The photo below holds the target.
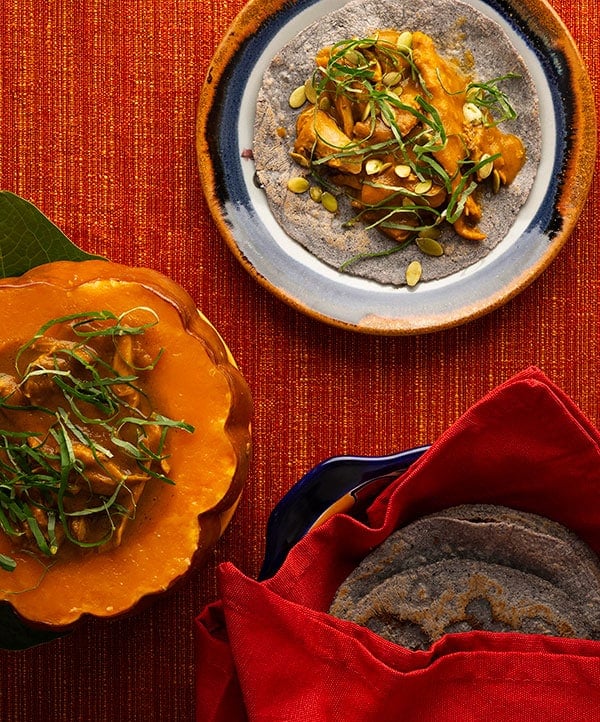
97,106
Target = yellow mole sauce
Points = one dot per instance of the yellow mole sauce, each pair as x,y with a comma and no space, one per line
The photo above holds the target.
322,132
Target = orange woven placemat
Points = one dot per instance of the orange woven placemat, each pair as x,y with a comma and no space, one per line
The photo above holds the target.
97,128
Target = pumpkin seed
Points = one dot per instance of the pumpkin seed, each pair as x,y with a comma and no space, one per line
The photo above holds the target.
315,193
375,165
329,202
392,78
487,167
472,114
496,181
402,171
404,42
300,159
432,232
423,187
372,166
297,97
429,246
310,91
299,184
413,273
353,58
324,103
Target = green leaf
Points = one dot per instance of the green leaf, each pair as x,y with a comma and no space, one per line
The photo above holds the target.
15,634
7,563
29,239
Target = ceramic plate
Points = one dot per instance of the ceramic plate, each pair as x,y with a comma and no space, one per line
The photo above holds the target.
225,130
338,484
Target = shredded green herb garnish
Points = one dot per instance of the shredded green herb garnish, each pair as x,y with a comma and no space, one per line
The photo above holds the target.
494,100
378,254
80,436
376,108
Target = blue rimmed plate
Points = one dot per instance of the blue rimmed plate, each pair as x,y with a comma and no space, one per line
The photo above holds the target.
225,130
338,484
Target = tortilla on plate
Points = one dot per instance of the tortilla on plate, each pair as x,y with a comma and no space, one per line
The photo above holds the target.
459,31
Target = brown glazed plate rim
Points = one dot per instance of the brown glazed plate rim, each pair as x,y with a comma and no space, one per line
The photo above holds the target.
225,118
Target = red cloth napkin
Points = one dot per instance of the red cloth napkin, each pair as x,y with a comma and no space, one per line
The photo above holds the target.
270,651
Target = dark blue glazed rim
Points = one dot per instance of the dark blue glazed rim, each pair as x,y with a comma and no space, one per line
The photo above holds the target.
340,483
224,131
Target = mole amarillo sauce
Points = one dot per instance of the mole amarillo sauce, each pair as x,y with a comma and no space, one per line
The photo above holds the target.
341,136
447,86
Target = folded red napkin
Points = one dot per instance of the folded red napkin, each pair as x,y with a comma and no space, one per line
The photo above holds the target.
270,650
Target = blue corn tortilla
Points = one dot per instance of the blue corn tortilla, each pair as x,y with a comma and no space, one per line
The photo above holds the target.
475,566
460,32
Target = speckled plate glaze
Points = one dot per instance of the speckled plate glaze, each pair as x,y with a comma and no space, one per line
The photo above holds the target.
338,484
225,130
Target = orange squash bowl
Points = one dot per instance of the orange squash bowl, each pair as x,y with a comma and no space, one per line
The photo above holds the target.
196,380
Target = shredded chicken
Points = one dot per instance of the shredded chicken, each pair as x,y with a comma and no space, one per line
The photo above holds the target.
97,474
342,131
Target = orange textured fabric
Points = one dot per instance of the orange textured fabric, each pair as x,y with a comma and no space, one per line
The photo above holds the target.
97,109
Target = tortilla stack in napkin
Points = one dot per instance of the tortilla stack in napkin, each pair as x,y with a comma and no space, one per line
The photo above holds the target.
271,651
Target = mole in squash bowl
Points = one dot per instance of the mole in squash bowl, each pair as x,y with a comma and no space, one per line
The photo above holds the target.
397,142
125,439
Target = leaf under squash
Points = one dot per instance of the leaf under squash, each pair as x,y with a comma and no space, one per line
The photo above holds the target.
16,635
28,238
